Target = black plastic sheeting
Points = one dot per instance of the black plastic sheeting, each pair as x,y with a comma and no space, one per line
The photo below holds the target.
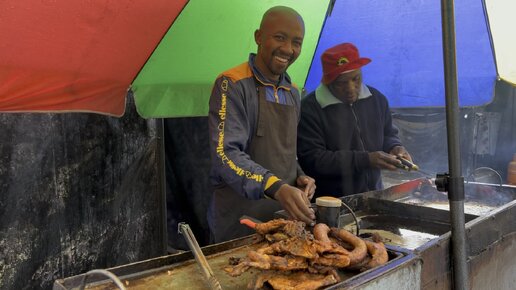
505,105
487,136
77,192
188,188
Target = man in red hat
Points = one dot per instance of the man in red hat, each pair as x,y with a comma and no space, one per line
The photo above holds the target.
346,136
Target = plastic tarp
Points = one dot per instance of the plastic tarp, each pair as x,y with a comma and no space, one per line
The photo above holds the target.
503,25
404,41
208,38
77,192
73,55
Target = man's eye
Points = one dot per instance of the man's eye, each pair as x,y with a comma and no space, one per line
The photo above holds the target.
280,37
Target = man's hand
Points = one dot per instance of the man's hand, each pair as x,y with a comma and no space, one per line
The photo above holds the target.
306,184
295,202
382,160
401,152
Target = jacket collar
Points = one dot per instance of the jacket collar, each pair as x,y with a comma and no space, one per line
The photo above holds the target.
284,80
325,98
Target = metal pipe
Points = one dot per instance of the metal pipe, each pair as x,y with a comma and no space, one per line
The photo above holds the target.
106,273
456,181
162,180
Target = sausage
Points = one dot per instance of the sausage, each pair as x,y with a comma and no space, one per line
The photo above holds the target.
378,254
321,233
359,251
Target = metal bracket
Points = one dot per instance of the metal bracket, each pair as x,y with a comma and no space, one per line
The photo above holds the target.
444,183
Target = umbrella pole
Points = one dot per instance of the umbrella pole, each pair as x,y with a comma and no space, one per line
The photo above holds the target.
162,178
454,182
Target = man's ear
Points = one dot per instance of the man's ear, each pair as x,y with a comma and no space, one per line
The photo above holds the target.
257,36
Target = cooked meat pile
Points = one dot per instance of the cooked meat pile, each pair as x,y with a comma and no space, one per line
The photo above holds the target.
294,258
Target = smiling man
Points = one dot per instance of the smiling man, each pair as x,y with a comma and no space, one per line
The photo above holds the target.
279,41
253,117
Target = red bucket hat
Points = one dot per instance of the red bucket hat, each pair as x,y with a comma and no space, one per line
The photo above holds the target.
339,59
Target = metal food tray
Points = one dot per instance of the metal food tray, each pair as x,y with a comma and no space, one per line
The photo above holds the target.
180,271
398,224
479,198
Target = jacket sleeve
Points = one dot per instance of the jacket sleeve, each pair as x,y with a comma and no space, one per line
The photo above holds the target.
313,154
230,134
391,138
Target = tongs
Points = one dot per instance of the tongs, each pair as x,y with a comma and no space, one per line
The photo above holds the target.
410,166
185,230
406,165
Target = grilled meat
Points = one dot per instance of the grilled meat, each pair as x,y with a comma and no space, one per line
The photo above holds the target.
359,251
293,281
294,258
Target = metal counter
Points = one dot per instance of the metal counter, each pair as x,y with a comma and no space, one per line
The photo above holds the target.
180,271
414,222
490,211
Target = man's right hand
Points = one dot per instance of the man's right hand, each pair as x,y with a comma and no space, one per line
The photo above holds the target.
382,160
296,203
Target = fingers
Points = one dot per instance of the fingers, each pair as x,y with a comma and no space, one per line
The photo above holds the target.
306,201
308,185
296,203
310,195
300,207
401,152
382,160
302,212
391,164
310,190
408,157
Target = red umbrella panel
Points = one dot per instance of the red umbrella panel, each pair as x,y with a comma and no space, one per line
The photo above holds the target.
72,55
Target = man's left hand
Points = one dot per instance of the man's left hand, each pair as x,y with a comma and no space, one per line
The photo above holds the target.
401,152
307,184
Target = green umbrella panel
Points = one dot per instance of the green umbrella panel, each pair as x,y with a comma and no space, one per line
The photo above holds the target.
206,39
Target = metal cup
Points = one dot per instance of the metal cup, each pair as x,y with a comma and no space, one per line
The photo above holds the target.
328,210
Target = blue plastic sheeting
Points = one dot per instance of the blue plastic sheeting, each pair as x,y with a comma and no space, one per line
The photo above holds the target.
404,41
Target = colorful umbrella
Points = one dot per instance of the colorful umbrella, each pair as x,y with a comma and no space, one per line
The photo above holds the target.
208,38
80,56
404,41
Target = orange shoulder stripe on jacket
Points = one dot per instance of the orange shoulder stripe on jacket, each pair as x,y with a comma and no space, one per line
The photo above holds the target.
239,72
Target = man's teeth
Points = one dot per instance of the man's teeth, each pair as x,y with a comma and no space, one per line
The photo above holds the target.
281,59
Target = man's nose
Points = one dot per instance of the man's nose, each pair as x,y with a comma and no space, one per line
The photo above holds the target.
349,86
287,48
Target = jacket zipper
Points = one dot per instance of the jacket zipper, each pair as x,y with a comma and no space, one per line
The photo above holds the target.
357,126
275,88
362,143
